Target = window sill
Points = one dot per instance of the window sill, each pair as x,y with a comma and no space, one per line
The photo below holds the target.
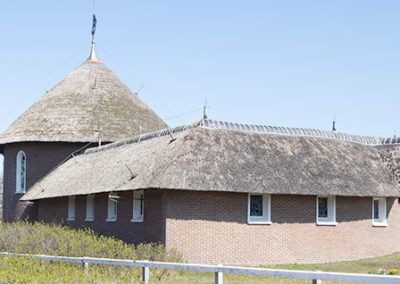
379,224
326,223
259,222
70,219
136,220
89,220
111,220
20,192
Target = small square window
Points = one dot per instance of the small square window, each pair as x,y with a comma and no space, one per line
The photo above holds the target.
138,206
326,210
71,208
90,207
112,207
259,209
379,212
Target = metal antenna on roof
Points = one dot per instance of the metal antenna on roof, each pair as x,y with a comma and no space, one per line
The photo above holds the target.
334,122
205,110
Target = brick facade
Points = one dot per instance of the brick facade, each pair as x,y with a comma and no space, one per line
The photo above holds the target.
40,159
211,227
150,230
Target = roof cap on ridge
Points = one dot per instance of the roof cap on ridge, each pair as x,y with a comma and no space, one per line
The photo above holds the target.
249,128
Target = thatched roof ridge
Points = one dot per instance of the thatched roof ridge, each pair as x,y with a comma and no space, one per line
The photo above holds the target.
250,128
303,132
90,98
210,159
144,137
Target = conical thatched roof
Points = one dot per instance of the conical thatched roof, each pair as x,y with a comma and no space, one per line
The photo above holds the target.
210,156
90,98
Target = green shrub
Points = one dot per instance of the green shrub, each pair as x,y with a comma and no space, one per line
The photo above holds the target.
54,239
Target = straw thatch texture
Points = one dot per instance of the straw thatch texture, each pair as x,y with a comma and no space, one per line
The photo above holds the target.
223,160
89,98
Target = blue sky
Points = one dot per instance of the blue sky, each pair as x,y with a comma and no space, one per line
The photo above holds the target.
283,63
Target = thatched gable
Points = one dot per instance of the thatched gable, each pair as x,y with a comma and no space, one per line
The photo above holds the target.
88,99
205,158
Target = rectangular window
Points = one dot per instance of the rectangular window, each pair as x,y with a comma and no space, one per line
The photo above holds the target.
112,207
71,208
326,210
376,209
90,207
138,206
379,212
259,209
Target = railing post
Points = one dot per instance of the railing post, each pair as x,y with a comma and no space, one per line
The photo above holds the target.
219,276
145,273
317,281
85,265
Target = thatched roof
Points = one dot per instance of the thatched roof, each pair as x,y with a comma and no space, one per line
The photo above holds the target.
90,98
204,157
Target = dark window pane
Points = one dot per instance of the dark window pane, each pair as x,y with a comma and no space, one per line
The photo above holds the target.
376,209
256,205
322,207
22,173
141,204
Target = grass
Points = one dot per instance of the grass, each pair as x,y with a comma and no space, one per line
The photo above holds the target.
51,239
367,266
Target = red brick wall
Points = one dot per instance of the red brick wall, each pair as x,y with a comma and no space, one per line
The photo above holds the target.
41,158
151,230
211,227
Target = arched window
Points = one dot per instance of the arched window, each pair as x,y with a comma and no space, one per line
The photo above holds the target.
21,173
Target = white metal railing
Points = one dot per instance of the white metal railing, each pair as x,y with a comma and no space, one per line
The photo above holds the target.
315,276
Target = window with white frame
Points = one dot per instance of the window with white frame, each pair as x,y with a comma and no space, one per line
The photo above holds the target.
138,206
259,209
379,212
112,207
90,207
326,210
71,208
20,183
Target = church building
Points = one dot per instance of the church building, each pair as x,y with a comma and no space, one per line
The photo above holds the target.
90,153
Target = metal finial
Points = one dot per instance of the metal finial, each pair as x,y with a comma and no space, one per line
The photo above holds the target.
93,57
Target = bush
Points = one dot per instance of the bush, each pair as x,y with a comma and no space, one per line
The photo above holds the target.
393,271
54,239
